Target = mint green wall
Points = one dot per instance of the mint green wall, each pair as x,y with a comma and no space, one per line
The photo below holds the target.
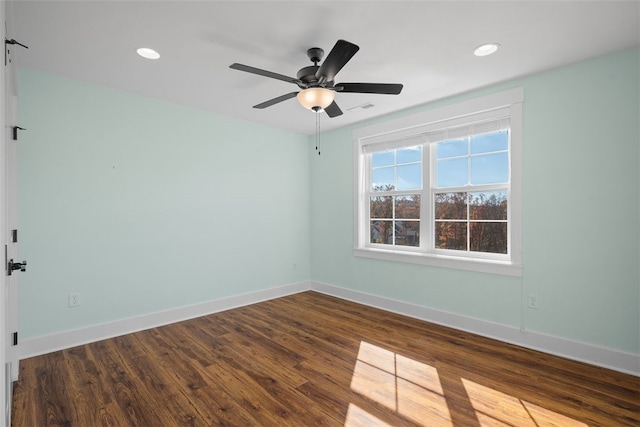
142,206
581,196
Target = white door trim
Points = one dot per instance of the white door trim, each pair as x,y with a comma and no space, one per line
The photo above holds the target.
4,374
9,362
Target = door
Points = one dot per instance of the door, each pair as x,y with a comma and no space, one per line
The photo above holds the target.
8,221
13,265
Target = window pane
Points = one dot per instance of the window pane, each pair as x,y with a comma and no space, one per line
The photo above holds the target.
409,155
384,158
381,207
408,233
408,206
410,177
451,206
490,169
382,232
488,237
495,141
452,148
488,206
451,173
383,179
451,235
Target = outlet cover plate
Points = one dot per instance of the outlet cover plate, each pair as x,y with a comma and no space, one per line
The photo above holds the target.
74,299
532,301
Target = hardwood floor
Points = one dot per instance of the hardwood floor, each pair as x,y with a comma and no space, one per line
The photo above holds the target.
313,360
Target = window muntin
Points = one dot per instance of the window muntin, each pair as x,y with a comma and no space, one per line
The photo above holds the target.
488,192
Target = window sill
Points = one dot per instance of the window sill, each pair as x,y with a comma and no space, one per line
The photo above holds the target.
458,263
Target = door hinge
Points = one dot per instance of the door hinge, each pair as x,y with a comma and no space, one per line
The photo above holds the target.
15,338
12,266
15,132
7,53
14,236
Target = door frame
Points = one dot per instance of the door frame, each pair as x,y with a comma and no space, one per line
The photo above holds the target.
5,374
9,359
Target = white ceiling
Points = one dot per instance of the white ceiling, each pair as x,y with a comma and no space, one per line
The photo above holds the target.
426,45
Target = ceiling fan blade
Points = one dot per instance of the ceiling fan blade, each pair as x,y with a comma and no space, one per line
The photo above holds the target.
264,73
333,110
273,101
341,53
380,88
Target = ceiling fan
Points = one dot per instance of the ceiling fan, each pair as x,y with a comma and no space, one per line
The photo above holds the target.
317,81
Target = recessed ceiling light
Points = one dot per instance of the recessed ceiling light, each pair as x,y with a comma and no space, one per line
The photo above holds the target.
145,52
486,49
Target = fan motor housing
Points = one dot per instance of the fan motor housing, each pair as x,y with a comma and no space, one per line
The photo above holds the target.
308,74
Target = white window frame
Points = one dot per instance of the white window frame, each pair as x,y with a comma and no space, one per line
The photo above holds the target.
402,132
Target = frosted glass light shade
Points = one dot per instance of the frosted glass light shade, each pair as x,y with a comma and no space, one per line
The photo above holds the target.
316,98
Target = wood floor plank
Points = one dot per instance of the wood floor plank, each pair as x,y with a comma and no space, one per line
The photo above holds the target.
87,390
51,392
314,360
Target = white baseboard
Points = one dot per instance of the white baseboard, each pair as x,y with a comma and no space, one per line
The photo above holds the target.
67,339
600,356
594,355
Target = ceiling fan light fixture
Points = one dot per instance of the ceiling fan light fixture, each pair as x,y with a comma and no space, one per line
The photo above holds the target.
316,98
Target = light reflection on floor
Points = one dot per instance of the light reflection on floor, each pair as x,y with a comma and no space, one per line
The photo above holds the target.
413,390
496,408
410,388
358,417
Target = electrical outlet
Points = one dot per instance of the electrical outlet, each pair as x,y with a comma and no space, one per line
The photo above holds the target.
532,301
74,299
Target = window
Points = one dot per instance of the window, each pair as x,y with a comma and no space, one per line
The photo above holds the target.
470,193
394,197
443,187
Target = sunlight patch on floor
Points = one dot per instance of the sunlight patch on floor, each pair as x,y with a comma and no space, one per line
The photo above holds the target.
358,417
414,391
496,408
410,388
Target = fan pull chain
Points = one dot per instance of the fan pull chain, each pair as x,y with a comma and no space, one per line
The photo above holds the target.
318,132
